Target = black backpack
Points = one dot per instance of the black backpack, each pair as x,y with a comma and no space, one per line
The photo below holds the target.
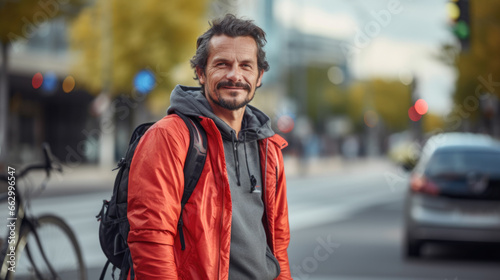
114,226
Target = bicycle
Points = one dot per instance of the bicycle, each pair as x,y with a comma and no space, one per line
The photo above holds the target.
42,247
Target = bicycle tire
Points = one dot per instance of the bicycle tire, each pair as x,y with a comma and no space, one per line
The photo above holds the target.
59,244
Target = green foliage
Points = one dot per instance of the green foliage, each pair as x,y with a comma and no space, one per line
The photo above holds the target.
20,19
11,18
389,99
432,122
357,107
323,97
116,39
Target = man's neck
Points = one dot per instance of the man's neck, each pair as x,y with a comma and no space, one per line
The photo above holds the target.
233,118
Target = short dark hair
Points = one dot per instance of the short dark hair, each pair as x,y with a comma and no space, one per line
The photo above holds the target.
230,26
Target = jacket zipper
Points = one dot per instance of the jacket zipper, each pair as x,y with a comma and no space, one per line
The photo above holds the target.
220,234
216,132
220,227
264,193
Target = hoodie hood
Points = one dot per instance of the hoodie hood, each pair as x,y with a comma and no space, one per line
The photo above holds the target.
191,102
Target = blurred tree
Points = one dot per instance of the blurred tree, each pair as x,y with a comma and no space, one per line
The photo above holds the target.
323,97
389,99
432,122
356,106
117,39
19,21
478,67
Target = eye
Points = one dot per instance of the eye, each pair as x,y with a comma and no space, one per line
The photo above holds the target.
219,64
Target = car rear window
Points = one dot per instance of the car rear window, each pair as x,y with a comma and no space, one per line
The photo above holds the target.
464,161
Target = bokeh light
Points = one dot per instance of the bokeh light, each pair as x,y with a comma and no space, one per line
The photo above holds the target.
421,107
286,123
405,77
144,81
414,116
49,82
68,84
37,80
336,75
371,118
453,10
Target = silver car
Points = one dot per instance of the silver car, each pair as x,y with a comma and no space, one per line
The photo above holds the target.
454,192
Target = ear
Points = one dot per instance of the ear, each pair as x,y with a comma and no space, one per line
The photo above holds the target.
259,79
201,75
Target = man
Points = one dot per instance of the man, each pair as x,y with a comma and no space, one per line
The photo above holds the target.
236,221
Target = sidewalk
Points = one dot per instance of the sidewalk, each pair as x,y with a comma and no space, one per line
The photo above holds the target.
334,165
95,178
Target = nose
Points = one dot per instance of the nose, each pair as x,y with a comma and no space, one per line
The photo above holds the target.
234,74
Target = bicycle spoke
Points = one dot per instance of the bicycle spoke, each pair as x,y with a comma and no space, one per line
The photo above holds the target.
62,258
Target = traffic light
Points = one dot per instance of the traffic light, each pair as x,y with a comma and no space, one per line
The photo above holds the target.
458,11
418,110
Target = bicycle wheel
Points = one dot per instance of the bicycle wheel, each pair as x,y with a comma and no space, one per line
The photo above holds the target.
60,246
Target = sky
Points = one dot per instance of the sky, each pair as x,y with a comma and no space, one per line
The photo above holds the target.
384,38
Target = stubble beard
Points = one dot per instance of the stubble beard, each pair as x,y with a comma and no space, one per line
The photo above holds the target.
231,105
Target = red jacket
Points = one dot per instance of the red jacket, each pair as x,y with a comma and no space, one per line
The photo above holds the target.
154,195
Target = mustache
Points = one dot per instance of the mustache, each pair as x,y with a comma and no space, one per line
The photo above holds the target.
231,84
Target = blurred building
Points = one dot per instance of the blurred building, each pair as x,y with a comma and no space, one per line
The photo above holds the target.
40,109
293,54
288,47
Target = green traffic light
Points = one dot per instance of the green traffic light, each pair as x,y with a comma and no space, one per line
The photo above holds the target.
461,29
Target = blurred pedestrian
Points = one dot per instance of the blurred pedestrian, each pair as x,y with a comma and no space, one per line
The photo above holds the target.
236,221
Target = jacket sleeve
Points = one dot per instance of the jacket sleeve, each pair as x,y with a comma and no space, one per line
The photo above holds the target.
282,227
154,195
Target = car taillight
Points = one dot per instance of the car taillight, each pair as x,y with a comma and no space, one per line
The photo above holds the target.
421,184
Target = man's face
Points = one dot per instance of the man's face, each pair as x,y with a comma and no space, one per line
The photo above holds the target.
231,75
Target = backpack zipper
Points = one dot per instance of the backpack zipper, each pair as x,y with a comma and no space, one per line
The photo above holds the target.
120,164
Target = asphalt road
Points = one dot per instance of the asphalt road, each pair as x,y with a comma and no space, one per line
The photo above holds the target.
345,225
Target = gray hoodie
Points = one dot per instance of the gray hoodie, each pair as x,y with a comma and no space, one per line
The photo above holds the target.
250,256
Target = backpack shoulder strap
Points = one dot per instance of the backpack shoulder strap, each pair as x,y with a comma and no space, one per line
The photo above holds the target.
196,156
195,160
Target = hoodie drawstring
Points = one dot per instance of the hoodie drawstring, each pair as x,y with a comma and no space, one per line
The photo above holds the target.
253,181
235,153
